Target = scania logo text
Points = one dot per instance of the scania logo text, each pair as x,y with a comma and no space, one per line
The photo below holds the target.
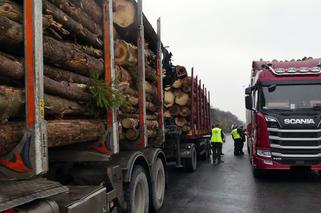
299,121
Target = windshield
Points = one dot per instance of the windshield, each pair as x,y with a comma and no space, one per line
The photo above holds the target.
291,97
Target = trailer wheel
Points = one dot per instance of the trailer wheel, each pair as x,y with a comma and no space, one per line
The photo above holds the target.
137,192
158,185
191,163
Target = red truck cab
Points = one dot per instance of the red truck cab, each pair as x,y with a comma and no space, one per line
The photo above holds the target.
283,115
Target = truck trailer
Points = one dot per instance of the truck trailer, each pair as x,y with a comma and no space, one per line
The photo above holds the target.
53,161
283,115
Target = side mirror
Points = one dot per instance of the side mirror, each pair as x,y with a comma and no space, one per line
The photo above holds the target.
248,90
248,102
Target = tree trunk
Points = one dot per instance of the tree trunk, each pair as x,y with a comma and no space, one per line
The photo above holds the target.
12,104
91,8
167,114
180,121
11,34
177,84
184,111
10,135
122,75
55,52
11,10
89,50
148,117
130,123
181,71
65,90
181,98
134,101
14,11
174,110
169,99
60,133
125,22
71,25
63,75
132,134
125,53
10,66
78,15
66,132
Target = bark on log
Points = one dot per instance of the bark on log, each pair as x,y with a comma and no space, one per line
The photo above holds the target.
10,135
10,66
14,11
169,99
11,10
150,73
181,71
11,34
55,52
65,90
148,117
78,15
12,104
63,75
181,98
60,133
91,8
71,25
89,50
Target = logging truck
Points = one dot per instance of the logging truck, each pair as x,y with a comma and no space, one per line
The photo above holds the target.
86,124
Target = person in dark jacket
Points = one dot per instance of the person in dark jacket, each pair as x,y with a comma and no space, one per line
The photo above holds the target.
238,137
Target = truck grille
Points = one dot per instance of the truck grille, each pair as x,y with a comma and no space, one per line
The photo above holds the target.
296,146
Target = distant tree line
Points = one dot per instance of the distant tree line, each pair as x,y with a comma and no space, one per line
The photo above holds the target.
224,119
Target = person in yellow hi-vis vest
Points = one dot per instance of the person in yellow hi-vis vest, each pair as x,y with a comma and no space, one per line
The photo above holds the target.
237,135
217,141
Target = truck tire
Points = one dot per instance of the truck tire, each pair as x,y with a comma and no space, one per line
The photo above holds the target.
191,163
137,192
158,185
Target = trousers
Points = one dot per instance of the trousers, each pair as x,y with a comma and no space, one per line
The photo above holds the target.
217,151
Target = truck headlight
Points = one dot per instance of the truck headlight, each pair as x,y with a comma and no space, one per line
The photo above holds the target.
264,153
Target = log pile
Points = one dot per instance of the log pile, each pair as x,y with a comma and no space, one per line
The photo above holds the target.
73,53
177,100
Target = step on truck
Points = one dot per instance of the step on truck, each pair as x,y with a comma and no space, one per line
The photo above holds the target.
283,115
56,155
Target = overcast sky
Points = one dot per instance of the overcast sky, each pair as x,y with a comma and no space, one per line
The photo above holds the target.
220,39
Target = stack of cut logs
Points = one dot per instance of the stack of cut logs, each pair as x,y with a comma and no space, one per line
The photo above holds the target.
73,51
177,100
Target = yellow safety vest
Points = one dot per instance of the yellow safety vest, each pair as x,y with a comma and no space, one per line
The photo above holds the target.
217,135
235,134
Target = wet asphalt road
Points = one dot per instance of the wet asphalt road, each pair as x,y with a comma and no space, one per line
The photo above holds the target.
230,187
